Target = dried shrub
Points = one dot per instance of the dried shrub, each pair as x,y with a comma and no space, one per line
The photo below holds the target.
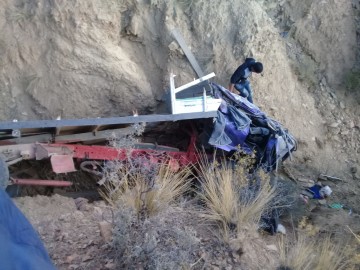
143,192
331,256
146,189
144,183
159,242
230,197
314,253
296,255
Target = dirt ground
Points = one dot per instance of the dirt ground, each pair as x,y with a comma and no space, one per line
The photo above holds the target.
79,59
79,234
72,236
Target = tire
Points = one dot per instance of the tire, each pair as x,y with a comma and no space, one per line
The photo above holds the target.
4,173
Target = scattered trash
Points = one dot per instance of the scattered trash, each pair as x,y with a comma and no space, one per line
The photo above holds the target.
317,192
281,229
271,224
324,177
336,206
341,206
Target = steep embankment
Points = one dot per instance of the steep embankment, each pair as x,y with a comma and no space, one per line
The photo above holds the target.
67,58
323,47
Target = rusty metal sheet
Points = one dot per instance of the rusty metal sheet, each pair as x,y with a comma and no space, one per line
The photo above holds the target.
62,163
44,151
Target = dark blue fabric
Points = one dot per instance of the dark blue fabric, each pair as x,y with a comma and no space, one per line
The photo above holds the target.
239,73
270,154
237,136
274,146
315,190
20,245
230,128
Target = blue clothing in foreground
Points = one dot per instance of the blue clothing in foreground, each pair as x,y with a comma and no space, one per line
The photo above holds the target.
20,245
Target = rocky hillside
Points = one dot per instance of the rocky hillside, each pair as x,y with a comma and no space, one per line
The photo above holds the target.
95,59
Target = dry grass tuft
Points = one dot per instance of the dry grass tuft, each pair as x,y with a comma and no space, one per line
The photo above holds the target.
219,193
150,197
357,236
149,230
317,254
297,256
230,199
332,256
251,209
146,193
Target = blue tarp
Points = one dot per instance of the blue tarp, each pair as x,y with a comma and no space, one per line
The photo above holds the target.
20,245
240,123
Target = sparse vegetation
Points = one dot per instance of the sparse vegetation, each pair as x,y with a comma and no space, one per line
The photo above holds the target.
314,253
149,195
331,256
296,255
161,242
306,68
352,81
144,197
230,199
143,193
146,232
141,183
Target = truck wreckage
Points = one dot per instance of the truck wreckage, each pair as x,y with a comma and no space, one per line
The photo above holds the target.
203,115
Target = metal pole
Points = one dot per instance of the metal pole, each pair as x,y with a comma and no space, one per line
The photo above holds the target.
37,182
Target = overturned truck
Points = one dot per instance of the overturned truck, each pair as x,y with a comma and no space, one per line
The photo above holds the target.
202,115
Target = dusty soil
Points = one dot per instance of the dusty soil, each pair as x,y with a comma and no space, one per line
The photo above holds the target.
83,235
72,235
93,58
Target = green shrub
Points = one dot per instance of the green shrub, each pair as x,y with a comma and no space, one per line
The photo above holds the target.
352,81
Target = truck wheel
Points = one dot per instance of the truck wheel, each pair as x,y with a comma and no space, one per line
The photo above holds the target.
4,173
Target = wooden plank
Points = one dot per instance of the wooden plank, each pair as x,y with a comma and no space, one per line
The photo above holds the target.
179,38
29,139
39,124
92,136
